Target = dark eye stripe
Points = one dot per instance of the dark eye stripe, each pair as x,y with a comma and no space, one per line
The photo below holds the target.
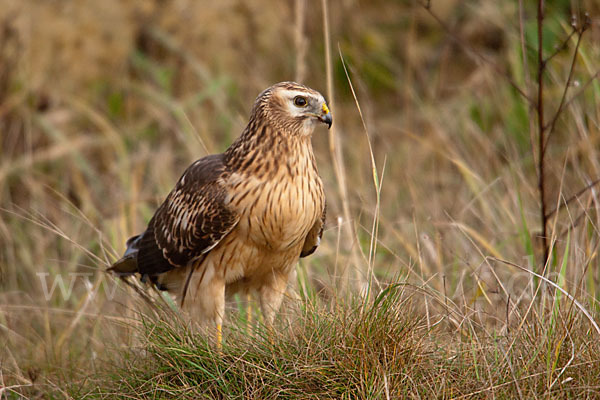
300,101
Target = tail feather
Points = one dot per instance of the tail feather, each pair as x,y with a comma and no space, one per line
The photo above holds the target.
127,265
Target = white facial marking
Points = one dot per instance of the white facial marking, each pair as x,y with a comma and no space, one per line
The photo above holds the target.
293,109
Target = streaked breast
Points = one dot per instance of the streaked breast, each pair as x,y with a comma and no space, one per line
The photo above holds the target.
279,206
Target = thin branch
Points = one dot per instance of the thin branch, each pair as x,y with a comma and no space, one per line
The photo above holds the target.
583,88
541,131
565,203
573,225
560,108
562,46
557,49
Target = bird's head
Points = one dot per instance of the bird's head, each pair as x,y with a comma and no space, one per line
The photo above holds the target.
293,107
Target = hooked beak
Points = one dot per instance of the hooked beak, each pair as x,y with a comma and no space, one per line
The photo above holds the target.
325,116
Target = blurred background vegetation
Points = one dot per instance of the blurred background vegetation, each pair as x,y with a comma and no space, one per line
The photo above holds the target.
104,103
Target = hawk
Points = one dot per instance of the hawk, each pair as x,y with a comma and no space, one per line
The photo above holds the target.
238,222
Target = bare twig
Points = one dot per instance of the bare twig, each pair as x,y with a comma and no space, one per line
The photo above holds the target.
545,130
541,131
562,46
552,124
572,198
583,88
573,224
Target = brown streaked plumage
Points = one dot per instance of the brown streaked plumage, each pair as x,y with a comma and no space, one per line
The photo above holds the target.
239,221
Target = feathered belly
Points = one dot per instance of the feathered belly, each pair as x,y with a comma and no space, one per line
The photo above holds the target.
245,265
282,213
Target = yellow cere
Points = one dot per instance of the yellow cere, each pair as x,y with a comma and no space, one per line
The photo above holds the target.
325,109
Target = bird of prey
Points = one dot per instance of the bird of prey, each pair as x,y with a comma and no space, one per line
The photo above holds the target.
237,222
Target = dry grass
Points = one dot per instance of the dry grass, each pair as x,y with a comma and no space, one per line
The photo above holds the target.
432,193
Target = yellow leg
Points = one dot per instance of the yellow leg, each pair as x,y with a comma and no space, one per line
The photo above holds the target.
248,312
271,334
219,337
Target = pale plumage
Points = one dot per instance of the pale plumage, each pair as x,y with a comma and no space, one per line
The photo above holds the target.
239,221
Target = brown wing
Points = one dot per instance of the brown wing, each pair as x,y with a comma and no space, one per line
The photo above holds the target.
190,222
313,239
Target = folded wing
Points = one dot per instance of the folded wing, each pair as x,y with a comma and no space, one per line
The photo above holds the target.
190,222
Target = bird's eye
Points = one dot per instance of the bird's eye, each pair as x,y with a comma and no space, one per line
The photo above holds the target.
300,101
